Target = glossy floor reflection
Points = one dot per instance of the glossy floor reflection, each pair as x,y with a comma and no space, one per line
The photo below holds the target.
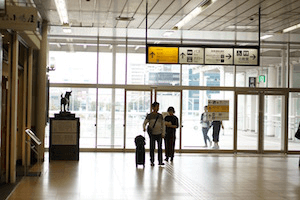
189,176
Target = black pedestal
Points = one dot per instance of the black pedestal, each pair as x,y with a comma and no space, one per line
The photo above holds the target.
64,137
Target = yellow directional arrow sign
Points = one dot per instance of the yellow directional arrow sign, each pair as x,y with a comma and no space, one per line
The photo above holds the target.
163,55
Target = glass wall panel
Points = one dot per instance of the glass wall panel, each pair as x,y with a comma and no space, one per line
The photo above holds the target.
248,77
137,107
272,72
294,66
110,129
167,99
151,74
192,137
294,120
120,68
273,131
209,75
72,67
105,68
247,122
83,104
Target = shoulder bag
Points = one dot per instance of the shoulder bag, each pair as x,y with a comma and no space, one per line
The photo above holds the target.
150,129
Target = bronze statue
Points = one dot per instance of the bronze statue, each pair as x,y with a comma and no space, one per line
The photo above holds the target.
65,101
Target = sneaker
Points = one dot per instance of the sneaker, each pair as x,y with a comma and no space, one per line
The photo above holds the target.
167,159
161,164
216,146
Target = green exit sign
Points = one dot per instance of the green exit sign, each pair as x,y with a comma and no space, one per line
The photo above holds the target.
262,78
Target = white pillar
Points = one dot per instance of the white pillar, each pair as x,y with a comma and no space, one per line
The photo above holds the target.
271,102
253,113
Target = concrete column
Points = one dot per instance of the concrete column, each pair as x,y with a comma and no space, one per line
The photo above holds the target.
41,89
253,113
245,112
24,105
29,97
14,108
271,102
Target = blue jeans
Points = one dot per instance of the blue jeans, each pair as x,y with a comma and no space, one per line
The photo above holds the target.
154,138
205,136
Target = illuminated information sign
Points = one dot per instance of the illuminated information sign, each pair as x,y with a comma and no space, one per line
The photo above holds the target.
190,55
219,56
163,55
203,55
245,56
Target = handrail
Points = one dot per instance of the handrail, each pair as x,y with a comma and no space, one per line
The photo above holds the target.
35,149
33,137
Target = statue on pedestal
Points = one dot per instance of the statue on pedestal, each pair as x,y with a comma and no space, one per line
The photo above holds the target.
65,101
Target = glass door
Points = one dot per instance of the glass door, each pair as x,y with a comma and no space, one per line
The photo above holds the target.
273,122
137,107
110,120
247,122
167,99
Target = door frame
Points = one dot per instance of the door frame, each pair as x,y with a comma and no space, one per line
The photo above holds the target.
261,110
125,110
180,110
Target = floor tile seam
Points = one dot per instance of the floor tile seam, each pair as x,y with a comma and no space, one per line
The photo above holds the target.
196,190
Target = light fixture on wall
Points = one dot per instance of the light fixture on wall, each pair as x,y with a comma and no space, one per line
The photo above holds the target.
291,28
62,11
201,7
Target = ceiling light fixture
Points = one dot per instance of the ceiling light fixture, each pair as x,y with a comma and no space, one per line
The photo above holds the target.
241,27
62,11
291,28
124,18
265,37
202,6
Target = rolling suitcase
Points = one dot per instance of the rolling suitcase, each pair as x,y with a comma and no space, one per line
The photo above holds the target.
140,150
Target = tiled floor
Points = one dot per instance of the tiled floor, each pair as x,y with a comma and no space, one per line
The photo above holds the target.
190,176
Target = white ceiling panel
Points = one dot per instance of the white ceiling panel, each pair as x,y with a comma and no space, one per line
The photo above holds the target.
242,11
171,11
215,10
164,14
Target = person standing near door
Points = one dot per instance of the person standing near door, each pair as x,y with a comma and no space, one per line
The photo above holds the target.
216,132
156,131
171,122
205,126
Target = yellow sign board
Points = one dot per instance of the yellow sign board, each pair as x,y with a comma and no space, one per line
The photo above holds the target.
163,55
218,108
